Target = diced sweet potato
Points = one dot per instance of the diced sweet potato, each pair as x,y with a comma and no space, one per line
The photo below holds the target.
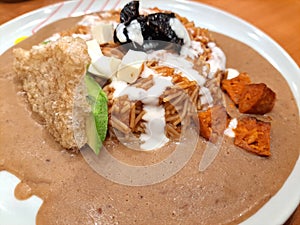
256,99
253,135
234,87
213,122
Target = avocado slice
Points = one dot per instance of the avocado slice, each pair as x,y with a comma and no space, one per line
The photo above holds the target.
93,138
97,122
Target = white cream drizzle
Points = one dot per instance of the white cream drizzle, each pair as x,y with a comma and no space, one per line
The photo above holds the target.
154,136
193,50
180,30
217,60
154,116
135,32
158,88
148,72
180,63
190,48
140,94
232,73
229,131
133,93
205,96
120,32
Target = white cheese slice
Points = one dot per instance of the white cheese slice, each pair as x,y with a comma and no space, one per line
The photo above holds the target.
101,65
103,32
131,66
94,50
94,71
114,65
107,66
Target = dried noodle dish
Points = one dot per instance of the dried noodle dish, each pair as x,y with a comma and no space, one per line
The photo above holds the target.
136,82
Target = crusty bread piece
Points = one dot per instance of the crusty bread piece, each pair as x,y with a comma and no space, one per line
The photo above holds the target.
50,74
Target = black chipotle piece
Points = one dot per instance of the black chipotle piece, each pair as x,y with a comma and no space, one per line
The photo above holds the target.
153,27
129,12
160,29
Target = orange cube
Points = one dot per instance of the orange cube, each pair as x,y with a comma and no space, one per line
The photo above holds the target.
234,87
213,122
253,135
256,99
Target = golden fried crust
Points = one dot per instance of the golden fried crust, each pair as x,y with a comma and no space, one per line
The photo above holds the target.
50,73
253,135
234,87
256,99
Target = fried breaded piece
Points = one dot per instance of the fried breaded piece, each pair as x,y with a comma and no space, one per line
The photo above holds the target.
256,99
213,122
234,87
253,135
50,74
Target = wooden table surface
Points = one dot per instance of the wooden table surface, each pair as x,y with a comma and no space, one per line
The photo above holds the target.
279,19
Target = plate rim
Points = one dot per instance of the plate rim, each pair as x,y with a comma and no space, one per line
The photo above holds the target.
291,180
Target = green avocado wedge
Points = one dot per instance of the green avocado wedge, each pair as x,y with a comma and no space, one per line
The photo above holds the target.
96,123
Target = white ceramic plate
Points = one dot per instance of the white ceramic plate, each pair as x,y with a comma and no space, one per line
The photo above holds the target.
278,208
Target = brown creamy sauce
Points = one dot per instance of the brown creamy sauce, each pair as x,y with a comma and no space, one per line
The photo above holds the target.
232,188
